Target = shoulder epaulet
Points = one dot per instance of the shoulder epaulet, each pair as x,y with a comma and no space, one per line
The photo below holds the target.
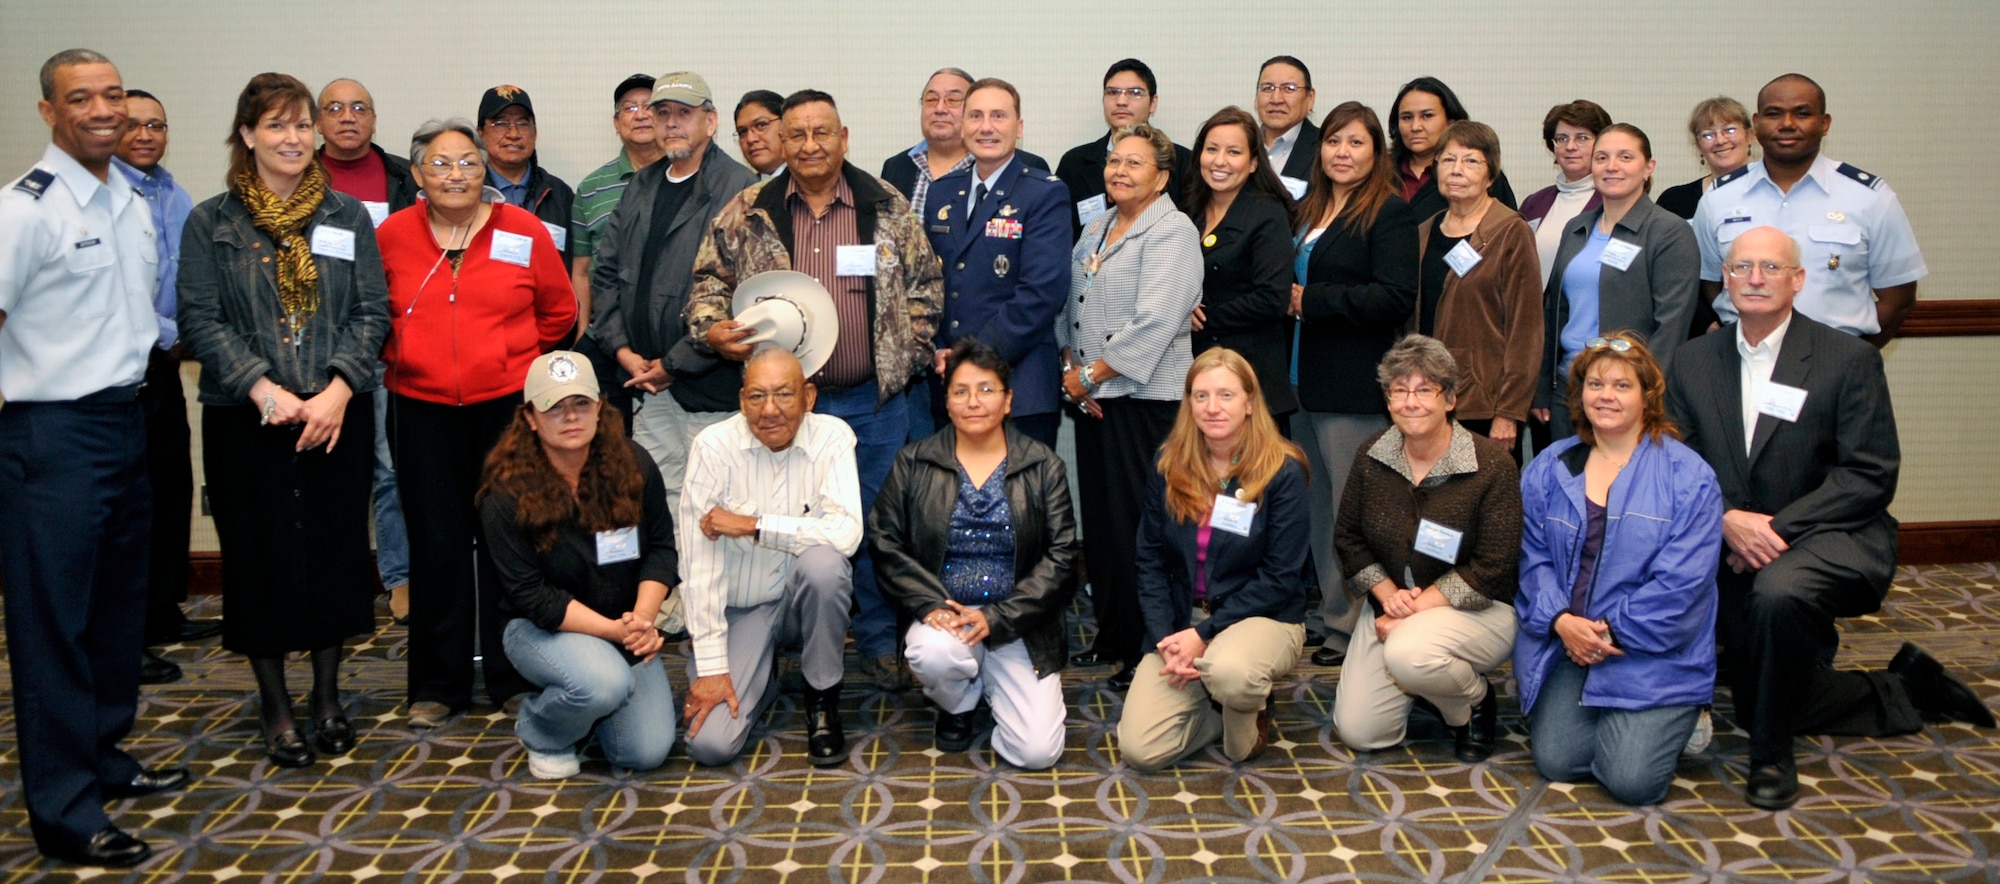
36,182
1739,173
1867,179
1052,177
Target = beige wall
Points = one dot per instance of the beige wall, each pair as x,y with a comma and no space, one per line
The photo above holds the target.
1903,80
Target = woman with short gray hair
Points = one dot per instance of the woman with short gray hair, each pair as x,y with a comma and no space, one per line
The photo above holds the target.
1429,534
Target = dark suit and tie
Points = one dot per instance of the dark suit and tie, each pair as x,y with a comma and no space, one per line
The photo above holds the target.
1006,272
1826,478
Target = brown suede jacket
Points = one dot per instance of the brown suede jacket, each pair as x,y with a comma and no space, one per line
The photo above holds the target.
1491,319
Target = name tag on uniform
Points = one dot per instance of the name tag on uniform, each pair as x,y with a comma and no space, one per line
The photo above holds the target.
558,233
1781,401
1619,254
512,248
1232,515
1088,210
854,261
377,212
1462,258
1004,228
621,545
333,242
1296,187
89,254
1437,541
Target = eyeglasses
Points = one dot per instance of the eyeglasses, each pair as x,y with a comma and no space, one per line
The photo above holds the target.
985,393
954,99
155,126
757,127
1580,139
1741,269
1708,136
1421,394
1129,164
754,400
1617,345
441,167
1136,93
635,108
1287,88
336,108
512,125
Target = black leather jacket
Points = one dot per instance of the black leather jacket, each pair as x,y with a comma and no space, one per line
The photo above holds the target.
910,528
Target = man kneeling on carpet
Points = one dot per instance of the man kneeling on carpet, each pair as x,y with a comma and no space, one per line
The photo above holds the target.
584,545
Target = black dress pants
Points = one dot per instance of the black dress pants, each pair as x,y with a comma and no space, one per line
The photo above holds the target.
170,464
1114,459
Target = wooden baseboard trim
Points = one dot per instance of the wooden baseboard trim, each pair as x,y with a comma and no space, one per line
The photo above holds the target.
1949,543
1957,317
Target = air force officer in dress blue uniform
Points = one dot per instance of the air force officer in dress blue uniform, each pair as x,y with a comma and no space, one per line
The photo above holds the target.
1002,231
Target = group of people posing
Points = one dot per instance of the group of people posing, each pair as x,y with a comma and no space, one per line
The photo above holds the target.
1302,362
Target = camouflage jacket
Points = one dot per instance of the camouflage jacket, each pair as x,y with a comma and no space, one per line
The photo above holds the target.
753,234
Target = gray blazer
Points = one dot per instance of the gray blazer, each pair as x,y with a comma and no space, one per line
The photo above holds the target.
1827,478
231,320
1655,294
1133,313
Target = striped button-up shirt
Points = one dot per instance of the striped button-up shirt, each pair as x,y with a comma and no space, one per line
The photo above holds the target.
816,242
804,496
920,191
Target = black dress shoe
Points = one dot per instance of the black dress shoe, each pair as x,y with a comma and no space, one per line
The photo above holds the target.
334,735
1328,655
155,669
1934,691
193,631
289,749
1772,786
1473,743
1122,679
954,730
109,847
1088,658
148,782
825,744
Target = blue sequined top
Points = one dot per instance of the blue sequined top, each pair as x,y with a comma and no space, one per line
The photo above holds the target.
979,561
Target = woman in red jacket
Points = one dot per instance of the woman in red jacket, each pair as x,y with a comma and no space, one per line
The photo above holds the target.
477,291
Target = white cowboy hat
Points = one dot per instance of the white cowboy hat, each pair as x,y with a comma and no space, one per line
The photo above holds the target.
790,310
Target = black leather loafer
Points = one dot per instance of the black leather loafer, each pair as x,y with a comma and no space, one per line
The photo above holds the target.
289,749
1934,691
1122,679
1088,659
826,745
155,669
334,736
188,631
109,847
1327,655
1772,786
954,730
149,782
1474,742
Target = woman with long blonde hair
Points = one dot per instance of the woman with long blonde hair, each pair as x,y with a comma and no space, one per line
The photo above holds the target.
1222,549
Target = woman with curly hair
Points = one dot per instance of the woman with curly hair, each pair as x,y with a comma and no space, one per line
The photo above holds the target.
584,546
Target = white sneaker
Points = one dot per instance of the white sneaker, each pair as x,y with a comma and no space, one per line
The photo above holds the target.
1704,733
553,765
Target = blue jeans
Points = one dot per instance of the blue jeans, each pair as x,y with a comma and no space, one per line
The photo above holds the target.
587,684
1631,752
392,540
878,434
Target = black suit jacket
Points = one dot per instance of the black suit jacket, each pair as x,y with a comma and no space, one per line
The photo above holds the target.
1826,478
1082,170
1304,151
900,170
1359,292
1246,286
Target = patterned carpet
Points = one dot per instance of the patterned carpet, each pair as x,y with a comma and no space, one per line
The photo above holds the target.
458,803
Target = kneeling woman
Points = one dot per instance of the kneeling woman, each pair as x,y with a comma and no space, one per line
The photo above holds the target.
584,546
974,538
1222,548
1430,532
1617,604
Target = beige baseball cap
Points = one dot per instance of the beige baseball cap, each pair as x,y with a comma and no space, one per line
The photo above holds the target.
686,87
558,375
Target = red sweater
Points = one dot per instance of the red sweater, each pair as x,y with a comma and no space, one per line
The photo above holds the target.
467,337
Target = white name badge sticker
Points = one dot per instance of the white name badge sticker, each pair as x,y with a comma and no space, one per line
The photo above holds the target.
1618,254
621,545
1232,515
854,261
377,212
333,242
1437,541
1462,257
1534,224
1781,401
1296,186
512,248
558,233
1088,210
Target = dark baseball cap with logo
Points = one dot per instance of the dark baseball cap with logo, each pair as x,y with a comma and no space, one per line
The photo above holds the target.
636,81
500,98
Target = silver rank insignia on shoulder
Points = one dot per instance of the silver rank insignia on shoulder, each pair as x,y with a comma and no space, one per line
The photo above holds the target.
1007,211
1001,266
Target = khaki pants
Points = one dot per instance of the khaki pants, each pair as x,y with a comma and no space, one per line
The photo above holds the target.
1162,724
1440,654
